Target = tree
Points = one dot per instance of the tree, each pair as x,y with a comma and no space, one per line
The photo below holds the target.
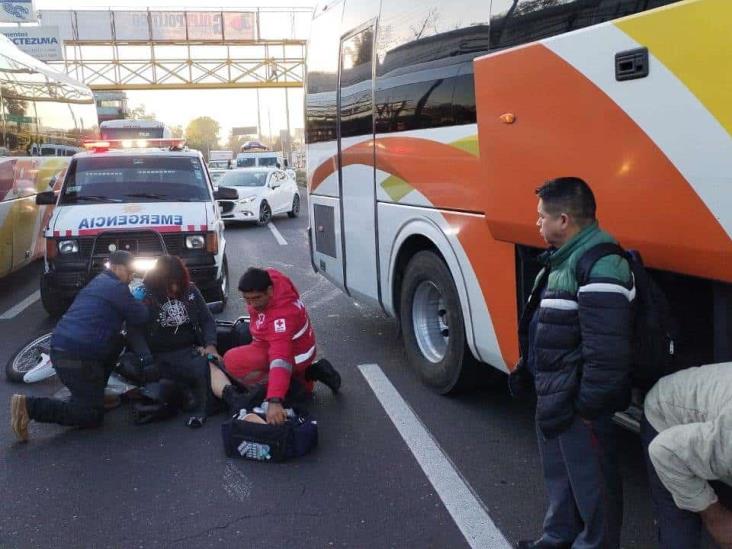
176,131
202,133
234,143
138,113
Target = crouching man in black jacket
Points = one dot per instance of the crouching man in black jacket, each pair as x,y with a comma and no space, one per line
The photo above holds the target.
576,351
84,348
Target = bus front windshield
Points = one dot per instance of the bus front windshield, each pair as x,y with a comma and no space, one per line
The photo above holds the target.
244,179
132,133
135,179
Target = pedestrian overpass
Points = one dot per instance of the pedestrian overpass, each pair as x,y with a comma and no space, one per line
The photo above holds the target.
181,50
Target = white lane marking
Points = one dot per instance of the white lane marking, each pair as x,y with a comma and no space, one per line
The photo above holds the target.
464,506
278,236
20,307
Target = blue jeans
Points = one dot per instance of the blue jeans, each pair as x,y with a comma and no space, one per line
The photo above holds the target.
583,486
86,380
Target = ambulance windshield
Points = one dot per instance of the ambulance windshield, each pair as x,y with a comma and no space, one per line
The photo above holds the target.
135,179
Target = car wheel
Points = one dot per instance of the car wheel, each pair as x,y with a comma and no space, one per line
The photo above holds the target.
265,214
53,303
433,326
295,211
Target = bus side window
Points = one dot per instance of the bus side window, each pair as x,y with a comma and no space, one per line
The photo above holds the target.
419,65
515,22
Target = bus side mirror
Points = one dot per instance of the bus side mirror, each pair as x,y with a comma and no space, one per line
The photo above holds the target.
47,198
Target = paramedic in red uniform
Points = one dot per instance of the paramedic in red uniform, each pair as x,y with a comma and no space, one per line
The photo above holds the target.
282,353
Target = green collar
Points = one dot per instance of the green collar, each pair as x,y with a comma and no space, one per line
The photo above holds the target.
573,244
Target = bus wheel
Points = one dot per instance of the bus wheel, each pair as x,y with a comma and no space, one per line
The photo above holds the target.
52,301
432,322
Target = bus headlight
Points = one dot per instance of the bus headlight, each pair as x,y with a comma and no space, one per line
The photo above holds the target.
68,247
195,242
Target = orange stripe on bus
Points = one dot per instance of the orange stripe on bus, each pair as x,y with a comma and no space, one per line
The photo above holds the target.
565,125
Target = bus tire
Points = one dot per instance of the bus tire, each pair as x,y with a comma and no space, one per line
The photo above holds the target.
54,304
433,327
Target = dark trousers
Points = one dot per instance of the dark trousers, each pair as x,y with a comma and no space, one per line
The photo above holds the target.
190,369
583,486
86,380
675,528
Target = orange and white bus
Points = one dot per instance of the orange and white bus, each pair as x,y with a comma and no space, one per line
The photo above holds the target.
429,125
44,118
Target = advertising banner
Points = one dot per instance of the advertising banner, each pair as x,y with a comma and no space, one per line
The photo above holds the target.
168,25
131,25
43,43
17,11
240,26
61,19
94,25
205,25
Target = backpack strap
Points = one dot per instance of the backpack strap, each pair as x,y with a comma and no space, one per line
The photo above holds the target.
593,255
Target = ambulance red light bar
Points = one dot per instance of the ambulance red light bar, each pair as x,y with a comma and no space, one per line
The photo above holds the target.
110,144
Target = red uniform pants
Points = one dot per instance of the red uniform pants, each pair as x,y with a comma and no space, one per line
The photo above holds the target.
249,365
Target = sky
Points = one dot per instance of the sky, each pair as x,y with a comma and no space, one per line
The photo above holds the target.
231,108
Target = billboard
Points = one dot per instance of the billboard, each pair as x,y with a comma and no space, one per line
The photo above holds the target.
17,11
43,43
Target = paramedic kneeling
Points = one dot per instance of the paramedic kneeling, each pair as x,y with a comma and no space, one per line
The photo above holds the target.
281,355
84,348
687,431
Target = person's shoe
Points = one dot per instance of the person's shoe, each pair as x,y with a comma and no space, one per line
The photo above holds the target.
323,371
196,422
541,544
19,417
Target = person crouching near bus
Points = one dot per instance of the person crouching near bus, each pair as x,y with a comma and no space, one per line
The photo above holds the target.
84,348
687,434
279,365
576,351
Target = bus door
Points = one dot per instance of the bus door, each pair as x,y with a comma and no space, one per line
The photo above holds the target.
356,171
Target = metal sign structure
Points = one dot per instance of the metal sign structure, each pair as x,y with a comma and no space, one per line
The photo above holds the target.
43,43
193,49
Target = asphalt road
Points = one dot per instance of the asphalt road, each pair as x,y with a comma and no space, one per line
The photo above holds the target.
163,485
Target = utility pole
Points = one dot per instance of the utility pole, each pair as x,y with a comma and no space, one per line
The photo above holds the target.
288,152
259,119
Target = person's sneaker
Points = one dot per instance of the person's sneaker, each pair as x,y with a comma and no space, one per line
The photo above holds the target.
323,371
19,417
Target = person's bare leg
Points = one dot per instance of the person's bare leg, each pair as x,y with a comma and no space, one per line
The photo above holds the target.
219,381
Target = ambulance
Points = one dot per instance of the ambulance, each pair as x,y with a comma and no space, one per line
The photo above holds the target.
148,201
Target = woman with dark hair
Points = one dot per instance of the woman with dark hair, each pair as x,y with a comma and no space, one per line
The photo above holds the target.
181,332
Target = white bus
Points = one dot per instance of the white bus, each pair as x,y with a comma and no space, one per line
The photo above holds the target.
134,129
46,117
429,125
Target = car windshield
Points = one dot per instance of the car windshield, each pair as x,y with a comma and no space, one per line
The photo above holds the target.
244,179
218,164
268,161
135,179
246,162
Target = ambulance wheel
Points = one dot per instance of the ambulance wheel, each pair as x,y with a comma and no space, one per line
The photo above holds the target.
221,291
52,300
433,326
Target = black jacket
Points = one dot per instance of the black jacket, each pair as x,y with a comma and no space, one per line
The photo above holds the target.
583,341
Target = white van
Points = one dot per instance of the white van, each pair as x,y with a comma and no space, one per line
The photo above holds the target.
259,159
146,201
